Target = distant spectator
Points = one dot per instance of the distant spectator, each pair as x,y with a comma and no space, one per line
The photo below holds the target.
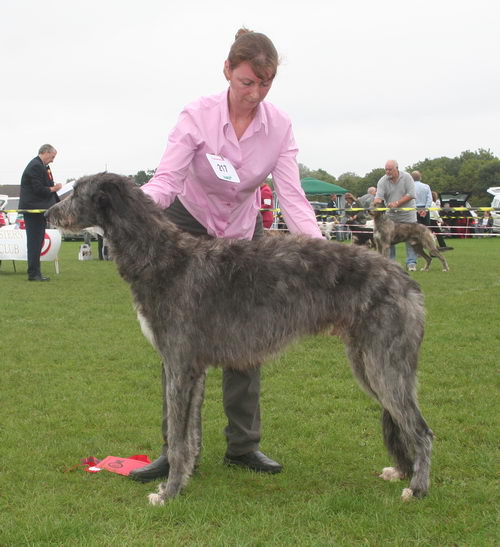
485,224
38,192
340,229
367,199
266,202
397,189
423,199
100,247
354,219
436,222
333,203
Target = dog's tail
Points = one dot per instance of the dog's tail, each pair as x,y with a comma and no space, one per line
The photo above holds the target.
431,238
441,250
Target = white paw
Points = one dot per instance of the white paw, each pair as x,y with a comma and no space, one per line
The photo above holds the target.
155,499
407,494
391,474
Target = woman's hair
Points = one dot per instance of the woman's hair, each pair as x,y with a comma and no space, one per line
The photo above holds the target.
434,196
348,195
256,49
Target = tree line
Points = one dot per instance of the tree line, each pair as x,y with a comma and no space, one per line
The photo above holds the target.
471,172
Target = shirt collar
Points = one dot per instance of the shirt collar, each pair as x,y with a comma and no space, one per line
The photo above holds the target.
224,108
260,118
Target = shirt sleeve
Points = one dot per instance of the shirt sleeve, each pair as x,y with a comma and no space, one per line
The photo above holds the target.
380,191
168,180
298,213
410,187
428,201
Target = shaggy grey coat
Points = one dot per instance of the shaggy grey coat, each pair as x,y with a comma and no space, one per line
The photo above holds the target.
204,302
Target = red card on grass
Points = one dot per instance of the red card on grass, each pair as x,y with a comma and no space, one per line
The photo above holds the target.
122,466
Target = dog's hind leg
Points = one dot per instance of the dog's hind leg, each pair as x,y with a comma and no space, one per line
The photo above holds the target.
397,448
419,250
184,394
409,441
365,369
422,438
407,436
435,252
385,362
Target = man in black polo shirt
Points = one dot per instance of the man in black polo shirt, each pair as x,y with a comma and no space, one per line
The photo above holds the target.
38,191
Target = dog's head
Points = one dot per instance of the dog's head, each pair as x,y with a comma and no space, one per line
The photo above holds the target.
378,211
91,203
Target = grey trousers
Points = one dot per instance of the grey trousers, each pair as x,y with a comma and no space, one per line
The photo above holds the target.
240,390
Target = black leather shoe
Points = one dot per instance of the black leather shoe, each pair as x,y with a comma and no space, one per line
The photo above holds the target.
155,470
256,461
445,248
38,278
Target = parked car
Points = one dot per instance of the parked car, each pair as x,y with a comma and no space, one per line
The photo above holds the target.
10,219
317,206
3,216
14,218
495,192
461,223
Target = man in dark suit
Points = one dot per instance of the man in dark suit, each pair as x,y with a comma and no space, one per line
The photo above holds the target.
38,191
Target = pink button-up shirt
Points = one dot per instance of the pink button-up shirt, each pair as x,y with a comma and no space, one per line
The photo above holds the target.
229,209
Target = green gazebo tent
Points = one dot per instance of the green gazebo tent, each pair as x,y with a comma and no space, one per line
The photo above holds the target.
319,187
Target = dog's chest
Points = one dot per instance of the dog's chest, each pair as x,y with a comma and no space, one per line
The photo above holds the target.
146,329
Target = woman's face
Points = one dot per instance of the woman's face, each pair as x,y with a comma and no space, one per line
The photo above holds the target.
246,90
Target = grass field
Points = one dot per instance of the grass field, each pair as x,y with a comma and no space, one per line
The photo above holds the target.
78,380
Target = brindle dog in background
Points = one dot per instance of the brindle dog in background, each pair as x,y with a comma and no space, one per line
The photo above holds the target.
387,233
215,302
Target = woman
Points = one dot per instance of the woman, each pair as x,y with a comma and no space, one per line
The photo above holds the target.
355,219
485,224
208,180
436,222
266,205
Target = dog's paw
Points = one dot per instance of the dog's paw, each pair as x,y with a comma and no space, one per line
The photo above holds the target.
155,499
391,474
407,494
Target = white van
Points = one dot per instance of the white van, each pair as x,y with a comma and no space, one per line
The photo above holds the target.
495,192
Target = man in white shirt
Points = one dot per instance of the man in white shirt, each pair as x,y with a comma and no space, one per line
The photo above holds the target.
423,198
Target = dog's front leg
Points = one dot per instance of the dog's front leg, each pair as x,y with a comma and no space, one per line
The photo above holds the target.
383,249
184,395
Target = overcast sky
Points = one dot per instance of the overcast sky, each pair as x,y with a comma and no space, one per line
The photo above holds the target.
363,81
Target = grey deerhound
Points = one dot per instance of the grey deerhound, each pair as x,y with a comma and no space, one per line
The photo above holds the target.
387,233
204,302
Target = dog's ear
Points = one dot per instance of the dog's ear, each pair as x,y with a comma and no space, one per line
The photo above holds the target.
109,198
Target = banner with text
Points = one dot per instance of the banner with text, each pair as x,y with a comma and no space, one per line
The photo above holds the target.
13,244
